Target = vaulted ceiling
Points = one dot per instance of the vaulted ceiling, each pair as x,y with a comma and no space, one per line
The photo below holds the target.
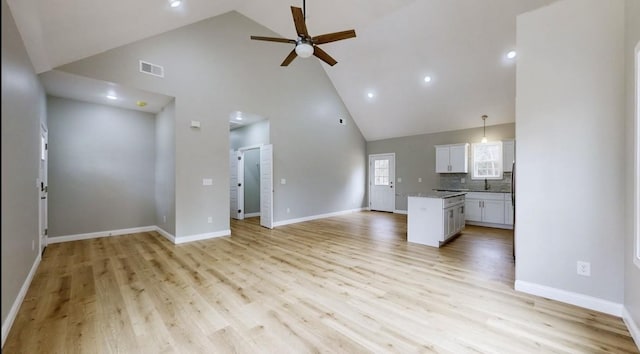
460,44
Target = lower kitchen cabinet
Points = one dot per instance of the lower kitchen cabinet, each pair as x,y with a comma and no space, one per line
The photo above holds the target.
489,209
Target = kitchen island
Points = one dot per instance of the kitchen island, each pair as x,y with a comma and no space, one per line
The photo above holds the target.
435,217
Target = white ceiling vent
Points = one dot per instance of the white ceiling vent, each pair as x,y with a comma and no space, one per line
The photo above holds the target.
151,69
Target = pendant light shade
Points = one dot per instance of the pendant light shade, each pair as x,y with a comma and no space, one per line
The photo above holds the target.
484,128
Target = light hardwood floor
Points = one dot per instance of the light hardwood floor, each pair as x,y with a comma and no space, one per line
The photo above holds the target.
345,284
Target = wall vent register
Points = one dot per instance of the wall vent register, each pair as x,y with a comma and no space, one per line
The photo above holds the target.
151,69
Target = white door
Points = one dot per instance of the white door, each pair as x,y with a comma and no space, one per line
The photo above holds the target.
382,174
266,186
236,190
233,185
43,211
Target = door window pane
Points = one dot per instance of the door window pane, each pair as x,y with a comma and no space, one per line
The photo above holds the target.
381,172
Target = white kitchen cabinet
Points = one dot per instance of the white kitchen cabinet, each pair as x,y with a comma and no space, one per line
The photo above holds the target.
474,209
508,154
487,208
452,158
435,218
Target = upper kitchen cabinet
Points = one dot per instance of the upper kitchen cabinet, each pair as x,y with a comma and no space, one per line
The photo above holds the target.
452,158
508,154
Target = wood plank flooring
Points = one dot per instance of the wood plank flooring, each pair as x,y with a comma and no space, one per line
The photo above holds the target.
347,284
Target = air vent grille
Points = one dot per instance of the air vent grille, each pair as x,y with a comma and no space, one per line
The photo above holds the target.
151,69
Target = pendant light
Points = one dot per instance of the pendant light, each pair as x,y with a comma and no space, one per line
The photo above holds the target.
484,128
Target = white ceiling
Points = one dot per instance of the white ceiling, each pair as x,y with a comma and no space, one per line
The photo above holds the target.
461,44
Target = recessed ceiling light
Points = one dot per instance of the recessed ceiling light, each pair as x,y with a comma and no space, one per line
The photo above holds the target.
512,54
427,78
175,3
112,97
370,94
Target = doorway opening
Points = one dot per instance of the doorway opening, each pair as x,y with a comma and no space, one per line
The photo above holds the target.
251,168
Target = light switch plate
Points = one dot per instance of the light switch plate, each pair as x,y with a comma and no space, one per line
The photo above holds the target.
420,179
399,179
207,182
195,124
283,181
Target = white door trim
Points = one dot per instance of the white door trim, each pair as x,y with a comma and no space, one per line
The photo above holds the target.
370,176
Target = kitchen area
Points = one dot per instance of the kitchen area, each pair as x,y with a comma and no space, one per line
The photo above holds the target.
463,197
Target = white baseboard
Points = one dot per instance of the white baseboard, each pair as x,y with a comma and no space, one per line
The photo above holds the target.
404,212
166,234
315,217
200,237
251,215
488,224
13,312
633,327
569,297
172,238
76,237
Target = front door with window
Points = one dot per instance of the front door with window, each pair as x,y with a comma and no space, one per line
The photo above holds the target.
382,172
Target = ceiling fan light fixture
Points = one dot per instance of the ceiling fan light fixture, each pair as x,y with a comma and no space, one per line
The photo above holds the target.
175,3
304,50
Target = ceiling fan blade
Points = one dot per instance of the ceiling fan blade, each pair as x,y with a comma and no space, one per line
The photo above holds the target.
289,58
332,37
298,20
322,55
273,39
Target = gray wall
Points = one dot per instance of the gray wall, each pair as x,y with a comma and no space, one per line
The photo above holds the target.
570,135
632,273
416,156
252,181
23,110
165,168
250,135
213,68
101,167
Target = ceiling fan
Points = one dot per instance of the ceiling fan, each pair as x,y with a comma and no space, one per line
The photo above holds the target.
305,44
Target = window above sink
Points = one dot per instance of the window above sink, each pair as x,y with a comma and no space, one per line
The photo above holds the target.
486,160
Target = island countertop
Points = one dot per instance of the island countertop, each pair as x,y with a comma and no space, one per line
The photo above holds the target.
498,190
437,194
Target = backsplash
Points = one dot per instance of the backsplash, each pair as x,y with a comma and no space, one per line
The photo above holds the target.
453,181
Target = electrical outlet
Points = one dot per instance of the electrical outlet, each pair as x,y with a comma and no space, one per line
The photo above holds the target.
419,179
207,182
584,268
210,219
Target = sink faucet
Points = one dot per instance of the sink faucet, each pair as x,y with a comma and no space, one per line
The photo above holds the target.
486,185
